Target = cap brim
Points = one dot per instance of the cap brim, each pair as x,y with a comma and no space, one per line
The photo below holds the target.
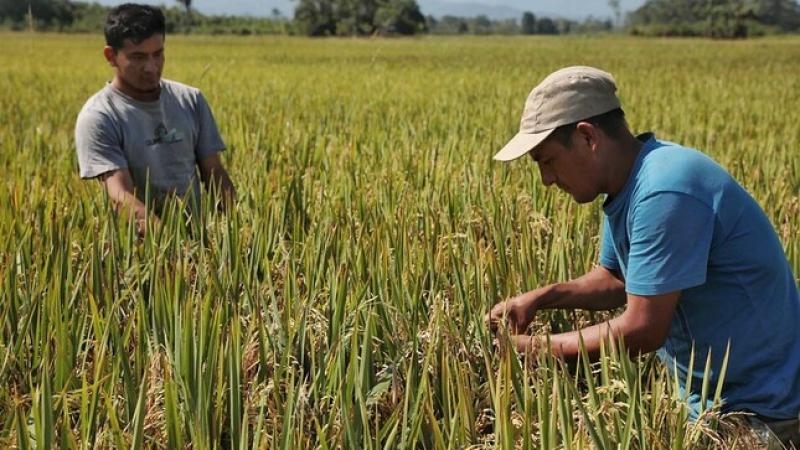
520,144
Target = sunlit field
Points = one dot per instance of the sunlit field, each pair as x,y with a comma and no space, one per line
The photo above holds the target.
341,304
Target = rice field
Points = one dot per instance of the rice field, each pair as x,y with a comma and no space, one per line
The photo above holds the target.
341,304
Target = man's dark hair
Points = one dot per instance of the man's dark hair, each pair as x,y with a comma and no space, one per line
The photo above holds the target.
612,123
134,22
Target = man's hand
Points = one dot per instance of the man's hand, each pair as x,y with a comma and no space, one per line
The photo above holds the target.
213,173
526,344
119,186
598,290
516,313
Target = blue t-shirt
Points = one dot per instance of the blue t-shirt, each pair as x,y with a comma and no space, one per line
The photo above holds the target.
682,223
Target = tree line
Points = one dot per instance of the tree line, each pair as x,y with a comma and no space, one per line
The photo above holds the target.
310,17
713,18
78,16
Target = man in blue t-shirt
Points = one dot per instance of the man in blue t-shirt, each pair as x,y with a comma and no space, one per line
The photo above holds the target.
685,249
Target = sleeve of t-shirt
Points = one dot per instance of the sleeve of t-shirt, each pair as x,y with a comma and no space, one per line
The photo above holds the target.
98,144
670,238
608,256
209,140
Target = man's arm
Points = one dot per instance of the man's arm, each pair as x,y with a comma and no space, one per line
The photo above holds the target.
598,290
119,186
643,326
213,173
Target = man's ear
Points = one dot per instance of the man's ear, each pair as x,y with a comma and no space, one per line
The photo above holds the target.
111,55
588,134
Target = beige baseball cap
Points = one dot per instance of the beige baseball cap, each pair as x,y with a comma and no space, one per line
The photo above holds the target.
566,96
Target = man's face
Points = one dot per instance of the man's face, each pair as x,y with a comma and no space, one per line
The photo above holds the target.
573,169
139,66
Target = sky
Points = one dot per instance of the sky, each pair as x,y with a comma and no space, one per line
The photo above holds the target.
572,9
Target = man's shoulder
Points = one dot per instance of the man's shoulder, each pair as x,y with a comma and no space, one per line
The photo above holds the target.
97,109
666,153
98,102
670,167
180,90
183,96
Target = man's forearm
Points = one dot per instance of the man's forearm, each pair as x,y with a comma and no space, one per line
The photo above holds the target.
219,182
597,290
127,202
644,325
216,179
226,188
567,346
120,191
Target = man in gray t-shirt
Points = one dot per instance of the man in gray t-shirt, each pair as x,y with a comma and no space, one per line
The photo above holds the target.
143,136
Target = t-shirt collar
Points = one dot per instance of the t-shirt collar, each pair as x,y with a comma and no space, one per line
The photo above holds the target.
128,99
612,204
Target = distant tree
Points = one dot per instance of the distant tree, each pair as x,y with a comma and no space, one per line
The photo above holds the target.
430,22
528,23
354,17
315,17
187,4
715,18
593,25
463,28
399,17
566,26
506,26
617,10
450,25
453,25
358,17
481,25
82,16
784,14
546,25
46,13
88,17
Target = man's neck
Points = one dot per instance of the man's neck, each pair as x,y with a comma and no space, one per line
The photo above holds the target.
136,94
620,169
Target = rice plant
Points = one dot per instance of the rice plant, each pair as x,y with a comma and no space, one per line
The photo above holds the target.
340,304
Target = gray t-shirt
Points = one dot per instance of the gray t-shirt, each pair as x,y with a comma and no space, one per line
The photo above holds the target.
159,141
